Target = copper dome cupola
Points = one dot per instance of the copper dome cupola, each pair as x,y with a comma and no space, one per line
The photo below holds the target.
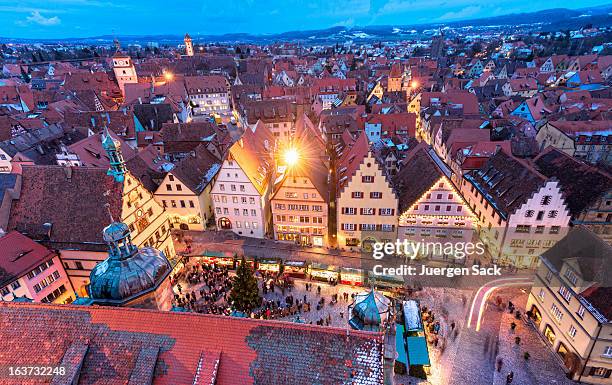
128,272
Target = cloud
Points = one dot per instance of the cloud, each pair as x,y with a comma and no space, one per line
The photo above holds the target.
461,14
36,18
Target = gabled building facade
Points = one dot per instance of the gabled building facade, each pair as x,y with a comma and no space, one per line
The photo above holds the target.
300,199
431,210
520,212
185,190
242,189
208,94
32,271
366,203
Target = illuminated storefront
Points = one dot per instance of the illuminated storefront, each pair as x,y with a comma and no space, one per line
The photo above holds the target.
305,236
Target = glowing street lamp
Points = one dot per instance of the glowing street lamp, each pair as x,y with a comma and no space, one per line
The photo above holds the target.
291,157
414,84
168,76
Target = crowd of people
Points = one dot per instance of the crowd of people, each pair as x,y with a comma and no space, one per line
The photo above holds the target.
205,288
214,284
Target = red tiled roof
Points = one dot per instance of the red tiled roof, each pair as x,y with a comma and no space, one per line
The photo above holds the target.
92,154
523,84
582,184
395,122
120,122
574,127
253,154
468,100
418,173
497,181
350,161
19,255
97,81
268,111
205,84
71,199
333,84
113,345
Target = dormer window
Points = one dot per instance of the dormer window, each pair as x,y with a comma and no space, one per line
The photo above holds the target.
571,276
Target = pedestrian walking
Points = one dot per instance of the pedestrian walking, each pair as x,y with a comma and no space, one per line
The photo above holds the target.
500,363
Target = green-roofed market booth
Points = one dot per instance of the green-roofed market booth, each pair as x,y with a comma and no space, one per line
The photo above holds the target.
417,351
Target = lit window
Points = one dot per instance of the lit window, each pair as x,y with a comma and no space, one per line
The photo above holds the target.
565,293
556,312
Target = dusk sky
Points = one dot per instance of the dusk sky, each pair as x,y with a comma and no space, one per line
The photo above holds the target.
83,18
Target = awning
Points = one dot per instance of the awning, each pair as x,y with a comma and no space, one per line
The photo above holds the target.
323,266
269,261
417,351
400,347
295,263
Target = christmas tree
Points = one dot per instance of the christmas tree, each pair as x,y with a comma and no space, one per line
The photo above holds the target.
245,292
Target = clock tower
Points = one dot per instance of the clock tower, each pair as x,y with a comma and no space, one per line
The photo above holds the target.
188,45
124,70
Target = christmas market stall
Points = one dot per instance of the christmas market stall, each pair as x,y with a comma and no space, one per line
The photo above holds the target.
416,341
297,269
323,272
385,281
218,258
270,265
350,276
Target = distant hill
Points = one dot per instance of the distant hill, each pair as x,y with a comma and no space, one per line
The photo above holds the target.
547,20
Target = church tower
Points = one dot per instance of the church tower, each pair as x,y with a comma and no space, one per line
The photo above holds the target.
123,68
117,164
188,45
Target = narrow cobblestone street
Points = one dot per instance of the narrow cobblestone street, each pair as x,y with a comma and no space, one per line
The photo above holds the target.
542,367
